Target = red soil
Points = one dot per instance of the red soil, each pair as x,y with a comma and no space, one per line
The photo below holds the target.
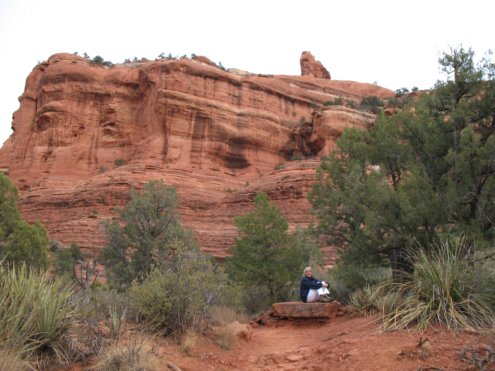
338,344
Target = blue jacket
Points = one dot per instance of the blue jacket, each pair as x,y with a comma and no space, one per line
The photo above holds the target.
308,283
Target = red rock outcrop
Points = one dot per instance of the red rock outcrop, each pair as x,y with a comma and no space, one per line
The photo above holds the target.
203,59
311,67
85,134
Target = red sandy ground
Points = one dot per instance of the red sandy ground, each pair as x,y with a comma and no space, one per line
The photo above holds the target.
338,344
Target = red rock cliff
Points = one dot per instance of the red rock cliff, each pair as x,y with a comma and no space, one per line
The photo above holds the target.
85,134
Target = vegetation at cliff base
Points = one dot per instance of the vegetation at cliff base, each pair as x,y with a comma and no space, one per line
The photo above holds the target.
179,295
425,174
266,259
20,242
146,234
36,312
157,263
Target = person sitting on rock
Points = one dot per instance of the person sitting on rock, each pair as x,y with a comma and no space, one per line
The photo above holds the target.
313,290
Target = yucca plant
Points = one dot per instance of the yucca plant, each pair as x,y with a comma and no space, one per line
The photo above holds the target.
115,320
35,312
377,298
444,288
362,299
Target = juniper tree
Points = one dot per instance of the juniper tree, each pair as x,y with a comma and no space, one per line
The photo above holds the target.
144,236
422,174
20,242
265,255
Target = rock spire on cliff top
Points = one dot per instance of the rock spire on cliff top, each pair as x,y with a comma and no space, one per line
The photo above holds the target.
311,67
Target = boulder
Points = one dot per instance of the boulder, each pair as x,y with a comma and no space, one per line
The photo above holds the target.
306,310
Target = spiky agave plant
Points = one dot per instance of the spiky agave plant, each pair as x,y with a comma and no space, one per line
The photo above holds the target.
444,288
35,312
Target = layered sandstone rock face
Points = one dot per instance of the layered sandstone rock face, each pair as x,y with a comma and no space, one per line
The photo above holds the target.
84,135
311,67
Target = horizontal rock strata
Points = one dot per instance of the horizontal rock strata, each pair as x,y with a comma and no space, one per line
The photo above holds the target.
85,134
306,310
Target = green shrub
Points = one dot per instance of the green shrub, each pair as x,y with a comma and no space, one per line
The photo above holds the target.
115,320
377,298
100,61
351,104
401,92
447,287
266,259
339,101
145,236
20,242
119,162
363,300
65,259
36,312
99,304
27,245
372,104
297,157
347,278
179,296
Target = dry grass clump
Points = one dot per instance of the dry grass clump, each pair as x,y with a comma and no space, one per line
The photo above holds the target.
189,342
225,337
134,353
221,315
11,361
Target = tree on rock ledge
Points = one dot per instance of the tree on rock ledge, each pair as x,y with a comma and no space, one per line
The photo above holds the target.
20,242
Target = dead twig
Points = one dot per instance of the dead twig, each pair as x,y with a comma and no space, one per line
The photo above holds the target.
345,332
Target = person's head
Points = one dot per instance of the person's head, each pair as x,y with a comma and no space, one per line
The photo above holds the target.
308,272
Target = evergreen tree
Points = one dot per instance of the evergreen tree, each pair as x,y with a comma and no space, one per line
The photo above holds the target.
20,242
145,235
422,174
265,255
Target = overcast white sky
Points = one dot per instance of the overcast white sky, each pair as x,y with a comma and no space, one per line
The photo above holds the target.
394,43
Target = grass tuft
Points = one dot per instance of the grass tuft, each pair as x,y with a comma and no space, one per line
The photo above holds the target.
225,337
12,361
135,353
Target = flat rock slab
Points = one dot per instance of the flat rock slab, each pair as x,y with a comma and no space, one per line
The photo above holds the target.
298,309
